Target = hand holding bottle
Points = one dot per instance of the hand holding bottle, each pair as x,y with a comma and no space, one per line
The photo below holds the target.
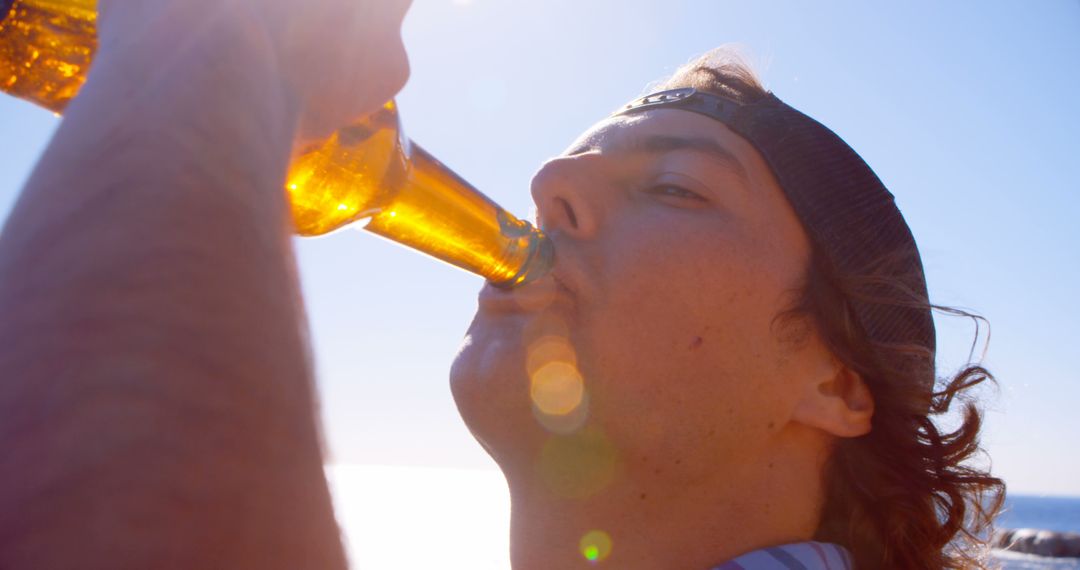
154,340
336,60
230,63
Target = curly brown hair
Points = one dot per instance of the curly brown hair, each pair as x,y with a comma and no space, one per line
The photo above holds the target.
905,495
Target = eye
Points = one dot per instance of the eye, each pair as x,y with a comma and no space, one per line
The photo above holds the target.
675,191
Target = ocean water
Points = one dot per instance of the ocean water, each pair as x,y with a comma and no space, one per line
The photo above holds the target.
1015,561
1047,513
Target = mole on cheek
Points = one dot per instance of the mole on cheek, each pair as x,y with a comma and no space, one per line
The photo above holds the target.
696,343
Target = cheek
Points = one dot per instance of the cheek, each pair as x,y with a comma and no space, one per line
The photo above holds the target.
681,349
683,297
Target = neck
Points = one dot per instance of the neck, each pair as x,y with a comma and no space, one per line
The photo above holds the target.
673,521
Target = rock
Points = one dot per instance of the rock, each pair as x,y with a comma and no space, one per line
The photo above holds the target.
1038,542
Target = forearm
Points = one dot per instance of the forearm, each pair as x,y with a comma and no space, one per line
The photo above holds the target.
157,406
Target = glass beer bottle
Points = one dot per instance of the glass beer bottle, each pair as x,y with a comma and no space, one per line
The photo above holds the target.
367,172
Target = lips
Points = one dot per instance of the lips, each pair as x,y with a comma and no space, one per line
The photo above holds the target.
535,297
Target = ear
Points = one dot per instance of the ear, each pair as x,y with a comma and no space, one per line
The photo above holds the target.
836,400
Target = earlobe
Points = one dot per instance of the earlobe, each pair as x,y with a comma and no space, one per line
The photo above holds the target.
839,403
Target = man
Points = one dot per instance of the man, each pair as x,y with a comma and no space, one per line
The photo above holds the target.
732,364
655,404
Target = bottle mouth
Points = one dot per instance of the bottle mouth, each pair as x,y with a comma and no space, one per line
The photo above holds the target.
537,264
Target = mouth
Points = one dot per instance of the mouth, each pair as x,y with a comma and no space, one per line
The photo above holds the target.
535,297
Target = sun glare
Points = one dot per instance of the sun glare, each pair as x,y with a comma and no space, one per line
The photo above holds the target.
408,518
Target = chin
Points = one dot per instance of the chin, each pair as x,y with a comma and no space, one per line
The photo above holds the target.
491,390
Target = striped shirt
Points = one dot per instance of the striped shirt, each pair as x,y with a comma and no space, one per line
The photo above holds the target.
795,556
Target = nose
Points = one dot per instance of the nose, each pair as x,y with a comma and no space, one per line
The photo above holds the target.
560,191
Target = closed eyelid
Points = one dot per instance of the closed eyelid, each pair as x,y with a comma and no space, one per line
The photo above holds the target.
660,146
615,170
709,192
684,176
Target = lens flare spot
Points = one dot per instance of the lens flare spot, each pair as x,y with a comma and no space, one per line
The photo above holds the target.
342,207
557,388
564,424
595,546
547,349
559,398
578,465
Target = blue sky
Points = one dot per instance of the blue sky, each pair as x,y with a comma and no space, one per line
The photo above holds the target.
966,110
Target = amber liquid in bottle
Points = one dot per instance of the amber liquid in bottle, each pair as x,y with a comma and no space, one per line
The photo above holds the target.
368,172
45,48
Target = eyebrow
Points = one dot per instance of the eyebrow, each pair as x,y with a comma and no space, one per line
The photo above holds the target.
659,144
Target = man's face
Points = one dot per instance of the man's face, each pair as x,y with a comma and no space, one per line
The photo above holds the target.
675,252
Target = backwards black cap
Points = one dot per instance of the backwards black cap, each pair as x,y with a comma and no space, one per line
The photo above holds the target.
848,213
